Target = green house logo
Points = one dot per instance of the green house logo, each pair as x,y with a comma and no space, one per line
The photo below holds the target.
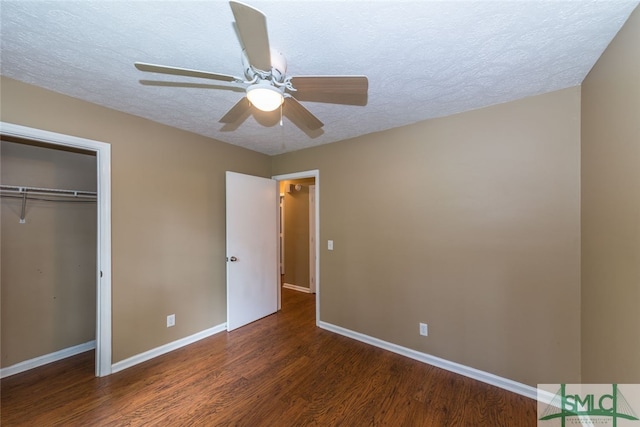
590,406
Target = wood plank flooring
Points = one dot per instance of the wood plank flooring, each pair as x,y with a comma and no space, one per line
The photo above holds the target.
278,371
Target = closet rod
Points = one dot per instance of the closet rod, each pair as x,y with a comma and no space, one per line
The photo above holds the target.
24,191
47,191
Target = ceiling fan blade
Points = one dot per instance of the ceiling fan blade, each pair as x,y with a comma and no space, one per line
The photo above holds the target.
354,85
185,72
298,114
252,29
191,85
333,98
237,111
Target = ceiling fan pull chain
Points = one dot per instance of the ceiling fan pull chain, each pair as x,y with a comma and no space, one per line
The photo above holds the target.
281,114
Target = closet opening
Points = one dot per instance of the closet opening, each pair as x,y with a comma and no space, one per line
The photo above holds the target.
55,281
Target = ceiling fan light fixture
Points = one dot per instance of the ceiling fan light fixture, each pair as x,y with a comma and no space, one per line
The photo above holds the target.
265,96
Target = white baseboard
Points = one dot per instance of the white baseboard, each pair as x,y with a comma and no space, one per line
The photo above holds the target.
158,351
47,358
296,288
476,374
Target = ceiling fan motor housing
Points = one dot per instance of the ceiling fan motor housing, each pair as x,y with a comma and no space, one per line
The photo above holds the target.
278,68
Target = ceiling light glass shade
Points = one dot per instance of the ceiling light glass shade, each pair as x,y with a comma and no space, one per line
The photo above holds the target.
264,96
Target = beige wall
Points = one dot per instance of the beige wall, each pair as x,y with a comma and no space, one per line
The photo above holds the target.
470,223
48,278
296,233
168,214
611,212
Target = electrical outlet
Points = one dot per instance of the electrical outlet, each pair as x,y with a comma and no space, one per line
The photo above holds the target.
424,329
330,245
171,320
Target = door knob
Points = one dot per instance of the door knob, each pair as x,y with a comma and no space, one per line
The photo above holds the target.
233,259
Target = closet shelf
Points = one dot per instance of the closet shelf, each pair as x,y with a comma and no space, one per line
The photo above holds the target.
28,192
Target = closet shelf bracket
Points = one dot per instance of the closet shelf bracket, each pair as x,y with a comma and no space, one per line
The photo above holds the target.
24,206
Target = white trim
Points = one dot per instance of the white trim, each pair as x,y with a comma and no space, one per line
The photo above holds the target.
163,349
476,374
46,359
546,397
312,238
296,288
103,252
315,173
281,237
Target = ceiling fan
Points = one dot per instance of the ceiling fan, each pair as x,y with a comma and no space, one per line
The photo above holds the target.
268,87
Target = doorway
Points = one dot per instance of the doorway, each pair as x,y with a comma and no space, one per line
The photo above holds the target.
103,238
309,190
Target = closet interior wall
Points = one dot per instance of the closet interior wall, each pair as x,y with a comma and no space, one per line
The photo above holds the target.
48,274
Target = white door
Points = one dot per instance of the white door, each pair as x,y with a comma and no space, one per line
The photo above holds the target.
252,248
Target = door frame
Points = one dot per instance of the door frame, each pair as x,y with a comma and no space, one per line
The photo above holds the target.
315,173
312,239
281,234
103,250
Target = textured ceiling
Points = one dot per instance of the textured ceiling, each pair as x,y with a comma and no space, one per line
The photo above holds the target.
424,59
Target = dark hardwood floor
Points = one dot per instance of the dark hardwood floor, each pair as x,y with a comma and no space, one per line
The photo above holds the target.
278,371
